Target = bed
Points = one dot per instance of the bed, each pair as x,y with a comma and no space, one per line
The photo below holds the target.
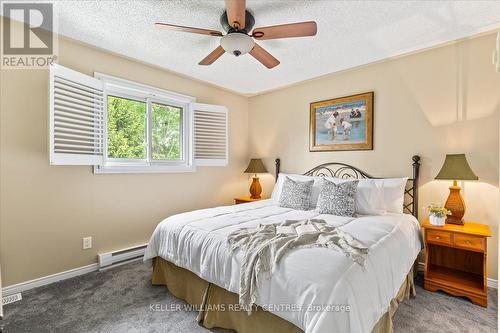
314,289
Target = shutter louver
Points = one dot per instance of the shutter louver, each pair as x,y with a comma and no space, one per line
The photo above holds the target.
210,129
76,118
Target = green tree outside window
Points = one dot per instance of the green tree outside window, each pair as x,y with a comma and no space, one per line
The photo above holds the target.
166,132
127,130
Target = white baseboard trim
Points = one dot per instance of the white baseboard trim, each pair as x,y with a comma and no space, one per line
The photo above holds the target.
492,283
44,280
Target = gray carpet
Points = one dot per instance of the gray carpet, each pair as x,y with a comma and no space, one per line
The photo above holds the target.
120,299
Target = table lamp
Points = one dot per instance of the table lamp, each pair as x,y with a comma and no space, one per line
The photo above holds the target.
255,166
455,168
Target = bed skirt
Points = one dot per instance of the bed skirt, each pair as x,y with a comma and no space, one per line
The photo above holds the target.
213,302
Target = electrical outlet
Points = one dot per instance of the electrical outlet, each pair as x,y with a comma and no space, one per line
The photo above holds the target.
87,243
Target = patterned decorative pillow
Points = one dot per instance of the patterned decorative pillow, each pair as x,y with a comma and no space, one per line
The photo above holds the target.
338,199
296,194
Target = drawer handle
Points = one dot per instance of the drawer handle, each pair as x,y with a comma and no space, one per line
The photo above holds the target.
468,242
438,237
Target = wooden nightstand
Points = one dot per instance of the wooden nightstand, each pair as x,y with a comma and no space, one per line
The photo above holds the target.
245,199
455,260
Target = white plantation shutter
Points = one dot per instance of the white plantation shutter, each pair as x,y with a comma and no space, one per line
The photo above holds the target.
210,134
76,115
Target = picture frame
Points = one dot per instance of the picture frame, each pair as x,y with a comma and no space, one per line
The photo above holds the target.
343,123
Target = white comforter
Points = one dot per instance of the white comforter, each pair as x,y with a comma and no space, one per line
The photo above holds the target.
308,284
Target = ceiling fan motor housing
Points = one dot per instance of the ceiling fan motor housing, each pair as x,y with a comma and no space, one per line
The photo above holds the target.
249,22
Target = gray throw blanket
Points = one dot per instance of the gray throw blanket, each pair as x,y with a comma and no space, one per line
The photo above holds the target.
263,248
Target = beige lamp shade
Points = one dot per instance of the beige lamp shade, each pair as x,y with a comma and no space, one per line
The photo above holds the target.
456,167
256,166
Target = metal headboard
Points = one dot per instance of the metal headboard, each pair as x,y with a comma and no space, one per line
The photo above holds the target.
346,171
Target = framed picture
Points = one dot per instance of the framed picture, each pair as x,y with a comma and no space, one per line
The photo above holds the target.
344,123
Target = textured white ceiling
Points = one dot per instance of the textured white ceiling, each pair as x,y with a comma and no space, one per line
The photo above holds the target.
350,33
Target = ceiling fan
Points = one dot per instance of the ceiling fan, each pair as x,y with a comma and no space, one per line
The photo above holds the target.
237,22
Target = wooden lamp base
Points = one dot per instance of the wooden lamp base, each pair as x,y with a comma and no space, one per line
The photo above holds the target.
255,188
456,205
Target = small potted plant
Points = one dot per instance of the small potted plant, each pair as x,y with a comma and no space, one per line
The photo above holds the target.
437,214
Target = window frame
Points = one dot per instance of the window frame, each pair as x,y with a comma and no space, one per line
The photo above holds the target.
150,95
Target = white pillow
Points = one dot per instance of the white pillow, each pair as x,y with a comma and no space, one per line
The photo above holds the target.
394,193
278,187
378,196
370,198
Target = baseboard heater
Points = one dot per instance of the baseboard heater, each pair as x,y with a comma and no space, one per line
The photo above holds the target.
120,257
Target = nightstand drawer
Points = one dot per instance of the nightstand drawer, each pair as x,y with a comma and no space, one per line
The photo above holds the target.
439,237
469,242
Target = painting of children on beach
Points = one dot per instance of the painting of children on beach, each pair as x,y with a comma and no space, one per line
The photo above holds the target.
343,123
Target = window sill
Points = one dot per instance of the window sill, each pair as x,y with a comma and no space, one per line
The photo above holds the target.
144,169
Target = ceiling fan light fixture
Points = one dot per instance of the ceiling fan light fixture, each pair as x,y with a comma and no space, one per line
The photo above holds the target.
237,43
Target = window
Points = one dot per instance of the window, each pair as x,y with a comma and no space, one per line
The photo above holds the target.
147,130
121,126
126,128
166,130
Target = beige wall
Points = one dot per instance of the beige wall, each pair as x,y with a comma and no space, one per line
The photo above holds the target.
439,101
46,210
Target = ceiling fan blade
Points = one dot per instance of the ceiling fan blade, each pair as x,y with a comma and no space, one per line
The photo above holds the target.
188,29
214,55
264,57
301,29
236,13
